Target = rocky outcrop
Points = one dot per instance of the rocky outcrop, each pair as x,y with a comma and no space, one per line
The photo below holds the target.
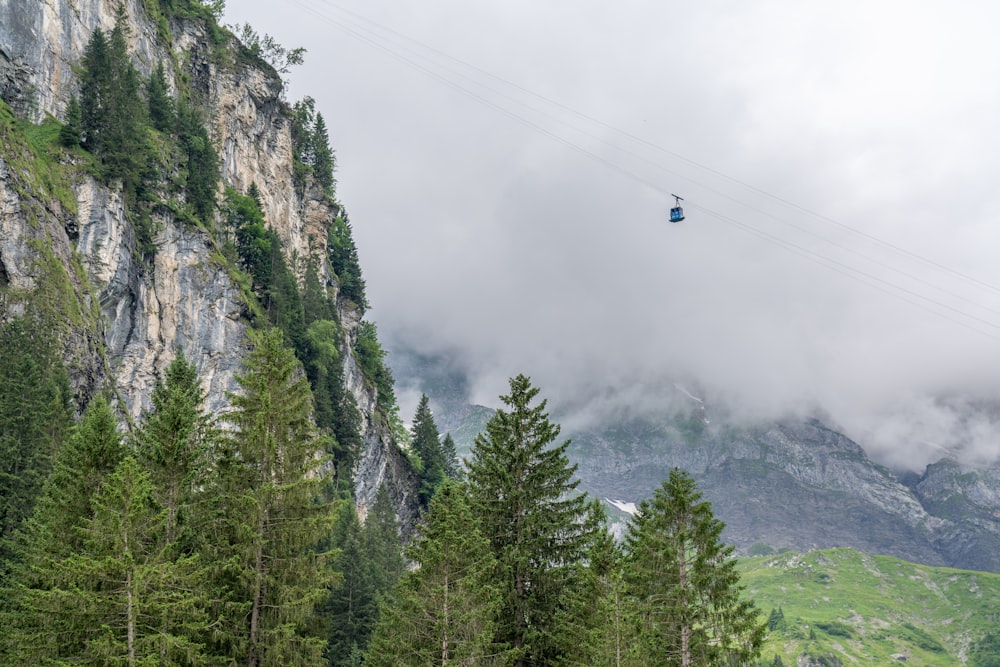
135,313
967,499
799,484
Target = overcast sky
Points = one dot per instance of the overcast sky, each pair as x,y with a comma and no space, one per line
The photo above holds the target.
507,167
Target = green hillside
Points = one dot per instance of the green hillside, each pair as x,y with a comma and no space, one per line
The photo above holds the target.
843,607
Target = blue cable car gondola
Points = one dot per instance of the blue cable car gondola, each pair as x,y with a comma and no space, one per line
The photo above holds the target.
676,212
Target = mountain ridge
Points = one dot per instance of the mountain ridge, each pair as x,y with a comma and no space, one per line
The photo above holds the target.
794,483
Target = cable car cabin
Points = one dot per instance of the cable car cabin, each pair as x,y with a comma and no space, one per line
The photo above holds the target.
676,212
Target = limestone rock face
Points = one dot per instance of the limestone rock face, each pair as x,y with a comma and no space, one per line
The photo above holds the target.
136,313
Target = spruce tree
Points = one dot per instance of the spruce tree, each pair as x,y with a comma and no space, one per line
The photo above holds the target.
34,631
442,611
173,445
383,545
71,133
161,104
452,466
95,91
273,514
322,157
525,501
594,621
112,111
352,607
133,602
202,162
35,420
427,445
684,579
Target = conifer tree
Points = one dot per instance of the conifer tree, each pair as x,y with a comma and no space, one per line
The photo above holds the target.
524,499
442,612
71,133
35,420
34,632
344,261
113,113
322,158
594,620
452,466
352,607
684,579
383,545
133,603
173,447
161,104
274,517
202,162
427,445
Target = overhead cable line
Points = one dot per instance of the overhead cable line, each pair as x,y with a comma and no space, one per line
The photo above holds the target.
378,41
644,142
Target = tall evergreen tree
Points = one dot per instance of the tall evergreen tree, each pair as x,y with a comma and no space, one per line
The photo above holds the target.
322,158
161,104
352,608
133,603
442,612
592,623
382,544
35,420
71,133
343,256
684,579
173,447
112,110
524,499
427,444
202,162
34,632
274,518
452,466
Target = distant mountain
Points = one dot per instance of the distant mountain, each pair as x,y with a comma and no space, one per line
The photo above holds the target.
791,484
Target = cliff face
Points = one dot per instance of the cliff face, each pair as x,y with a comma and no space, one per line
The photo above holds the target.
133,315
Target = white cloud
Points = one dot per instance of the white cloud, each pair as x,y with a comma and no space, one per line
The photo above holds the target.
524,244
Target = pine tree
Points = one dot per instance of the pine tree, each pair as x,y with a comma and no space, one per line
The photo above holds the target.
322,159
525,502
685,581
161,104
274,518
382,544
113,113
352,607
427,445
202,162
135,604
34,632
35,420
71,133
442,611
173,447
452,466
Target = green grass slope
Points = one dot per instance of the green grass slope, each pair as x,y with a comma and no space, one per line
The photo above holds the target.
842,607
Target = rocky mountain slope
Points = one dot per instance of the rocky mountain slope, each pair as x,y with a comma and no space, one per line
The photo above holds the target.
793,484
67,240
